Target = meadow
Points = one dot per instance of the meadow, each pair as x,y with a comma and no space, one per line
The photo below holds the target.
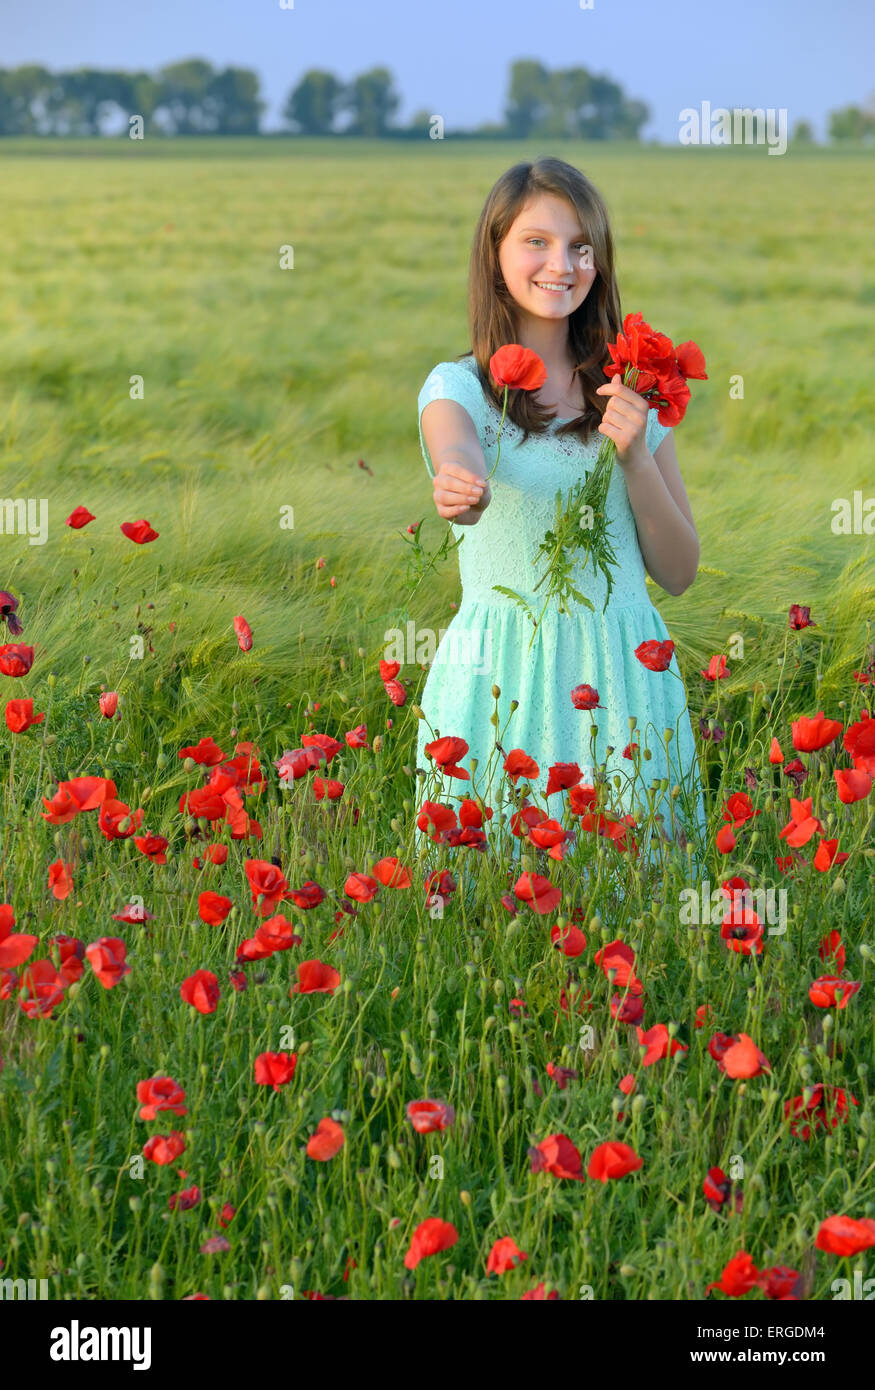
157,362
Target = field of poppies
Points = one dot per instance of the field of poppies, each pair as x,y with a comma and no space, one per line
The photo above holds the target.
280,1018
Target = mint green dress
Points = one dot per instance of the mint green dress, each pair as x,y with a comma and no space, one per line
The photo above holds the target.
486,642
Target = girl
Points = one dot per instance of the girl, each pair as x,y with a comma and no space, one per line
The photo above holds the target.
542,275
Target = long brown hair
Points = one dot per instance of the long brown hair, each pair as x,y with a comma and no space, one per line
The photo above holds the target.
492,310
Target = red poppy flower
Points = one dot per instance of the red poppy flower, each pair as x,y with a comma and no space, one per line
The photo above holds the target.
107,959
71,953
799,617
61,878
315,977
201,990
427,1116
717,669
655,655
738,1278
14,947
138,531
627,1009
310,895
357,737
585,697
742,931
275,1069
504,1255
619,957
430,1237
328,1140
720,1190
164,1148
538,892
42,989
153,847
561,776
659,1043
79,517
561,1075
244,634
811,734
832,950
204,751
802,824
361,887
116,820
277,934
20,715
853,784
16,659
780,1282
108,703
832,992
184,1201
518,368
742,1058
613,1160
267,885
518,764
445,753
557,1155
842,1235
213,908
160,1093
827,854
569,939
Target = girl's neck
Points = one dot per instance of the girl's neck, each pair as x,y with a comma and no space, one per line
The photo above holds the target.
549,339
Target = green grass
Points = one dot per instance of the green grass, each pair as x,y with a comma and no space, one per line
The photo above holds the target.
263,390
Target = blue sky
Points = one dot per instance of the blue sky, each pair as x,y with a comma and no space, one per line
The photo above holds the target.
452,56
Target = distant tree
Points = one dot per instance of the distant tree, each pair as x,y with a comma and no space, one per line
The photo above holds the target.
570,102
26,96
529,97
312,106
142,94
371,101
802,134
82,98
851,123
182,95
232,105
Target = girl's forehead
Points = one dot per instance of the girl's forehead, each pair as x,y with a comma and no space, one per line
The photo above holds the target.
545,210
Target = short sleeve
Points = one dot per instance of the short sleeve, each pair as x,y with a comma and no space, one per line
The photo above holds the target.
450,381
655,431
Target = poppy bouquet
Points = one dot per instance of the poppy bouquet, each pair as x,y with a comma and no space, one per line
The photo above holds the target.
647,362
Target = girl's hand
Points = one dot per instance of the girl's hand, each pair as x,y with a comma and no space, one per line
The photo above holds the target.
457,490
625,421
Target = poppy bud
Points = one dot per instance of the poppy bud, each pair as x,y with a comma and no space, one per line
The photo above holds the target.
378,743
189,764
496,691
416,712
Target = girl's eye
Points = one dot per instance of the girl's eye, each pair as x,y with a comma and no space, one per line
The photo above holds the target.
581,244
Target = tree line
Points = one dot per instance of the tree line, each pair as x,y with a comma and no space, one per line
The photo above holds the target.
194,98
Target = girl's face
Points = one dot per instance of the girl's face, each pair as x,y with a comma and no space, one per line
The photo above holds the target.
544,259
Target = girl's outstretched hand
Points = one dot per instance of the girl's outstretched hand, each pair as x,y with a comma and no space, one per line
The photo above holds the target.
625,421
457,490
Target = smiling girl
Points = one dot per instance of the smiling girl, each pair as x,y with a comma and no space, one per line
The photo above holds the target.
542,276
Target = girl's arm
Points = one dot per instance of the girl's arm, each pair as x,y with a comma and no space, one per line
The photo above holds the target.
461,492
667,535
